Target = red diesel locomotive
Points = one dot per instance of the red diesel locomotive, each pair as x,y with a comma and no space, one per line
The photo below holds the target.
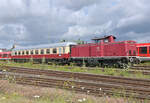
103,52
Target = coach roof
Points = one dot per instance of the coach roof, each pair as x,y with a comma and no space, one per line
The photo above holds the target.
54,45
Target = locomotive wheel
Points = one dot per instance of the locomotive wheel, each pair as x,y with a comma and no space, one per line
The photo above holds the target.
125,66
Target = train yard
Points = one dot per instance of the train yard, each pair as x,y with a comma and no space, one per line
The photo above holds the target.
99,85
67,52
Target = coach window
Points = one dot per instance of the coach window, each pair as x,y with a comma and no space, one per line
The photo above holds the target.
36,52
22,52
54,51
130,52
19,53
47,51
4,55
27,52
31,51
134,52
149,50
106,41
143,50
15,53
42,51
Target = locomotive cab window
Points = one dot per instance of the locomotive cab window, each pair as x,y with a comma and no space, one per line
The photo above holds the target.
143,50
54,51
106,41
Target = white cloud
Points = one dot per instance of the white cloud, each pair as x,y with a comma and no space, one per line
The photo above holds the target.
30,22
136,19
76,4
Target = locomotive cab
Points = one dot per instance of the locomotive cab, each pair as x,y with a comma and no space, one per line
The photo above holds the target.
106,39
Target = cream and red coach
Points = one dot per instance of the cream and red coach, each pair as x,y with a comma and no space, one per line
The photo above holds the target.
58,52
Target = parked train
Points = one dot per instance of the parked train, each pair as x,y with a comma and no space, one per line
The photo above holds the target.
143,51
103,52
5,55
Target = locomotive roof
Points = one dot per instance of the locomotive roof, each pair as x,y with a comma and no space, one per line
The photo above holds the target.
102,38
54,45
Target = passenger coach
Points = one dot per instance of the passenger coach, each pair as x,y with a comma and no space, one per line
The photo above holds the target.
58,52
5,55
143,50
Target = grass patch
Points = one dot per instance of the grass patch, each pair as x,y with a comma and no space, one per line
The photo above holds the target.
13,98
16,98
145,63
14,93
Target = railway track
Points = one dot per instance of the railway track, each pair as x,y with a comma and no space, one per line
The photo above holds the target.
82,82
78,86
73,75
133,70
147,68
90,68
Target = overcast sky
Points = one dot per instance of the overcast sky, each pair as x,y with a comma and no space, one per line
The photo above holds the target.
34,22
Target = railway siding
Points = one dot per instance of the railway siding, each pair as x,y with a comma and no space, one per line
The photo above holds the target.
83,82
